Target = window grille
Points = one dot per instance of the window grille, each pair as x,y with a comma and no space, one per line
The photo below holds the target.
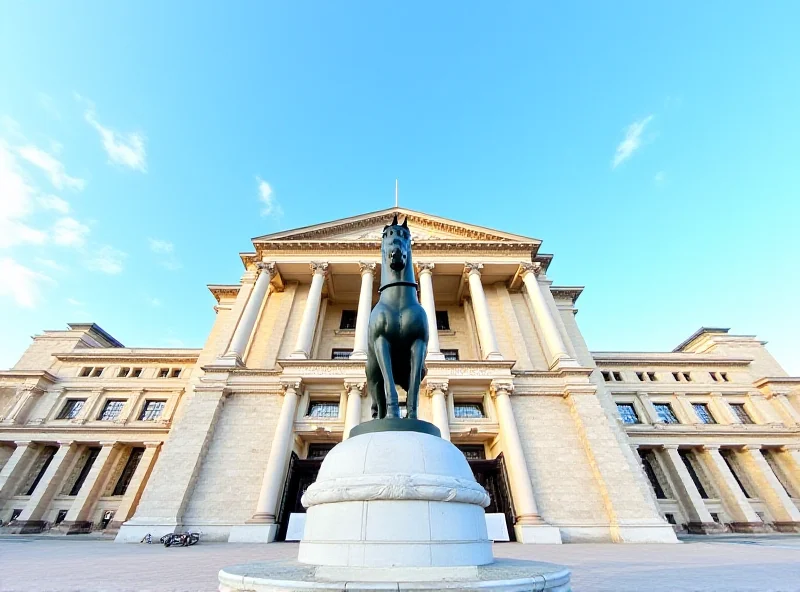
741,413
71,409
703,413
76,487
152,410
665,413
628,413
442,320
468,411
111,410
348,320
319,450
127,473
341,353
323,409
473,451
450,355
686,458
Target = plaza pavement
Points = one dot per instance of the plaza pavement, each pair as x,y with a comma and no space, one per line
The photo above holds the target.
723,564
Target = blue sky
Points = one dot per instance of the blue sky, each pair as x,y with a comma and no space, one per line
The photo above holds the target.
653,147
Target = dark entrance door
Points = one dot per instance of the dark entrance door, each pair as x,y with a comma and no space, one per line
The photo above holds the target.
491,474
302,473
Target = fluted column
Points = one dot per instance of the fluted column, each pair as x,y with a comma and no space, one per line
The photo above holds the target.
355,390
244,329
558,354
305,336
281,445
428,303
437,391
489,348
364,310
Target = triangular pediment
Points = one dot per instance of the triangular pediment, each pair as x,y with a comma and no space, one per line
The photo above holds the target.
369,228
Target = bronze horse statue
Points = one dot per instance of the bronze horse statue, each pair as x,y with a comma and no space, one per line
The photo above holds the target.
398,329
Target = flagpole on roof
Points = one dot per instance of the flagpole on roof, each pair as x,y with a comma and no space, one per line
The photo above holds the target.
396,194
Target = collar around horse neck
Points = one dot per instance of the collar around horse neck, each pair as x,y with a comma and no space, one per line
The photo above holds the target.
409,284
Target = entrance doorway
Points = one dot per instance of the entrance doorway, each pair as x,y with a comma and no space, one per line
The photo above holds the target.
302,473
491,474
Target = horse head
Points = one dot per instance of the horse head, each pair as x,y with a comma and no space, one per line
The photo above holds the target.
396,253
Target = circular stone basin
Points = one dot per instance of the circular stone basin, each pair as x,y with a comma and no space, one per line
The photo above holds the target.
504,575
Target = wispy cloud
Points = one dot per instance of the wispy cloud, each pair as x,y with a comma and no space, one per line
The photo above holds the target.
68,232
53,202
166,252
106,259
50,264
271,207
52,167
123,148
22,284
660,177
16,203
73,302
631,142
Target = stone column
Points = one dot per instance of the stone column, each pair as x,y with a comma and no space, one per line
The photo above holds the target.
785,408
16,468
305,335
136,485
722,412
489,348
426,294
529,526
247,322
355,390
364,310
556,349
28,395
649,408
437,390
787,457
78,517
30,521
262,528
700,520
770,490
737,504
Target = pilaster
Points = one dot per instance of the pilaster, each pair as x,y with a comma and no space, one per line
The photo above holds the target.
136,486
737,504
77,519
770,489
700,520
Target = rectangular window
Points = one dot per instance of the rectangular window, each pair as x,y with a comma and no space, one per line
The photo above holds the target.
442,320
606,376
323,409
175,373
123,372
617,376
701,409
682,376
641,376
62,514
628,413
715,517
468,411
348,319
647,463
49,453
111,410
451,355
96,372
609,376
670,518
341,353
652,376
319,450
15,514
473,451
714,376
87,466
136,373
127,473
724,376
71,409
665,413
686,456
163,373
152,410
741,413
86,371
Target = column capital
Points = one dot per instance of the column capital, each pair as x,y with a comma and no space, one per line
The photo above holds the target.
267,266
501,387
23,442
357,385
319,268
109,443
711,447
367,267
30,388
434,385
426,267
63,443
535,268
669,446
473,269
752,447
292,385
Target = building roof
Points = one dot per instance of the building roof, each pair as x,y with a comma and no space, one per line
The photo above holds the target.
697,334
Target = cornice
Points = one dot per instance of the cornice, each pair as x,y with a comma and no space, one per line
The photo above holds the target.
130,356
569,292
220,291
782,380
24,374
665,358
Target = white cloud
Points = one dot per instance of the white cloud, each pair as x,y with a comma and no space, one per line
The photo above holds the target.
107,259
631,142
271,206
53,202
69,232
52,167
660,177
50,264
20,283
160,246
74,302
126,149
167,250
16,203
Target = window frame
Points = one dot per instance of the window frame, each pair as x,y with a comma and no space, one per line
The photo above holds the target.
342,319
341,350
734,405
143,411
671,410
632,406
707,410
464,404
106,404
312,403
442,320
61,415
448,354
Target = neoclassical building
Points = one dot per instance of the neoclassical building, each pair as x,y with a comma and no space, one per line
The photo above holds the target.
572,445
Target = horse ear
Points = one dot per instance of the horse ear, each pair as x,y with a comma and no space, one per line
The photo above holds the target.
405,222
394,221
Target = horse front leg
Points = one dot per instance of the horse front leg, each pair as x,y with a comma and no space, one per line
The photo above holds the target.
418,350
383,357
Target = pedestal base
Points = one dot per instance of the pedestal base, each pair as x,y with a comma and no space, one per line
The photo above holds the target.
504,575
253,533
537,534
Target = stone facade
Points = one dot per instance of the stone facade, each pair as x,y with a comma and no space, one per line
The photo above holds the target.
580,445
